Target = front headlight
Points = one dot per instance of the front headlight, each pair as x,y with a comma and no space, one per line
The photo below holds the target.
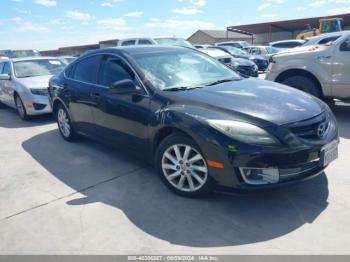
40,91
244,132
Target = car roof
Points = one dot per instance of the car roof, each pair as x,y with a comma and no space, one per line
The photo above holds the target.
30,58
135,50
287,41
328,35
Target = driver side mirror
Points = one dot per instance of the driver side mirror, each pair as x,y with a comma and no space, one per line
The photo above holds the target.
126,86
5,77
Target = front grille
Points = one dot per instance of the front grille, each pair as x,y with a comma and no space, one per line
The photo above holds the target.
309,129
246,70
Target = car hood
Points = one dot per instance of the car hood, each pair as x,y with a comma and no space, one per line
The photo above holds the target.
35,82
265,100
302,50
256,57
243,62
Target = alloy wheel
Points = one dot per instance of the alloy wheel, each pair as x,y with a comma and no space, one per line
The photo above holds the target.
20,107
63,122
184,168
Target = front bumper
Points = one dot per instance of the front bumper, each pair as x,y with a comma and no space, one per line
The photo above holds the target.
294,163
292,166
37,105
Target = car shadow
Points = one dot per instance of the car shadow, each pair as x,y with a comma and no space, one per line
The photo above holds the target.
342,113
10,119
219,220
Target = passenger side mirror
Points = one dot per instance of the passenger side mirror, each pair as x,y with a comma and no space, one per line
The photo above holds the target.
5,77
126,86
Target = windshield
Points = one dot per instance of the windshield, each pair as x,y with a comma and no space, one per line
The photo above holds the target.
42,67
271,50
235,51
182,69
67,60
173,41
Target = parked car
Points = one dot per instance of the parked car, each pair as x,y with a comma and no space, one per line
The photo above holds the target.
237,44
24,84
196,120
173,41
19,53
287,44
260,61
264,51
66,59
202,46
136,41
245,67
321,70
324,39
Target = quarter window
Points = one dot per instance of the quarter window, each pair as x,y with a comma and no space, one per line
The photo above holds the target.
1,67
113,70
86,69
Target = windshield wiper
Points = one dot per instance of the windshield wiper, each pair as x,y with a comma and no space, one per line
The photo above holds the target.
182,88
220,81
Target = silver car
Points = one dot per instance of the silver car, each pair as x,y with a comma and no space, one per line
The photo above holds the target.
24,84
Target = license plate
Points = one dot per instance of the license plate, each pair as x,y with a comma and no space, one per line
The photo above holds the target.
329,153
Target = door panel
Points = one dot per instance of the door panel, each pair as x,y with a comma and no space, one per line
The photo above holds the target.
120,118
8,86
79,93
341,71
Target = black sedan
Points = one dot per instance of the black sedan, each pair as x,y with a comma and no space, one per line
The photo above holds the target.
200,123
260,61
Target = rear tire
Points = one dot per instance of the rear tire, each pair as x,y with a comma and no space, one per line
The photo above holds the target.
64,123
21,110
303,83
182,167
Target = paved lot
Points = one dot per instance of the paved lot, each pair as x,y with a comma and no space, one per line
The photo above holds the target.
87,198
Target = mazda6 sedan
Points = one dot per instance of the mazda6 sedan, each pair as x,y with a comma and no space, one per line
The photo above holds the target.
201,124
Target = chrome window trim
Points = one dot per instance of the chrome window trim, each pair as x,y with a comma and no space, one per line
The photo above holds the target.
106,87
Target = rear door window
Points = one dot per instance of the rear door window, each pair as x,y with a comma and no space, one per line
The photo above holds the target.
129,42
145,42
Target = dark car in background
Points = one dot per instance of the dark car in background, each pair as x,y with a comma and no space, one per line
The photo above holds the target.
199,122
245,67
260,61
19,53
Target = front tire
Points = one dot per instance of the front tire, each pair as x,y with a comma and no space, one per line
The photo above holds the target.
65,124
182,167
21,110
303,83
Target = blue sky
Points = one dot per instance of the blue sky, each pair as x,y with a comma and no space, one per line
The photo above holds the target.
48,24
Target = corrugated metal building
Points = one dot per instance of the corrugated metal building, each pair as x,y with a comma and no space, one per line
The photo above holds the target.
214,36
283,30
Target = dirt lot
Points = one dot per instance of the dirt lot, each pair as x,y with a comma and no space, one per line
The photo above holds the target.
87,198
